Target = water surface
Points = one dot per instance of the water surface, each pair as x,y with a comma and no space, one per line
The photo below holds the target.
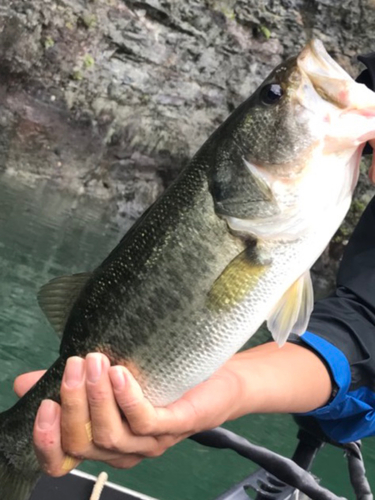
44,234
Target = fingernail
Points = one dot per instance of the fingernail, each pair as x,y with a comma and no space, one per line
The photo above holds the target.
74,372
93,367
47,414
117,377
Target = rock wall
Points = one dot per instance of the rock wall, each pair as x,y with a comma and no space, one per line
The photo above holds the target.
114,96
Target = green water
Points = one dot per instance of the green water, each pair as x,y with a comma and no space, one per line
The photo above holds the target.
45,233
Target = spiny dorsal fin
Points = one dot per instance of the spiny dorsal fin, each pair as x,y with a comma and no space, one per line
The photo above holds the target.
293,310
56,298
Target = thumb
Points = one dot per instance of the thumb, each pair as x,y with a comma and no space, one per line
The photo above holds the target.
24,382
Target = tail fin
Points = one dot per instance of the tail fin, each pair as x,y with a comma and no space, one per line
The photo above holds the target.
13,485
19,468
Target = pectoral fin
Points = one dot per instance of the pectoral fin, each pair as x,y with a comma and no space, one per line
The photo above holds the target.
236,281
57,297
293,310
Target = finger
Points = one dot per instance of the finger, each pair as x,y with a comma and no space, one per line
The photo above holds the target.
48,449
203,407
104,413
139,412
25,381
143,418
47,441
110,431
75,415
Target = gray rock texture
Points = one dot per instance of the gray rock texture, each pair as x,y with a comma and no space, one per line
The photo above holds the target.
113,97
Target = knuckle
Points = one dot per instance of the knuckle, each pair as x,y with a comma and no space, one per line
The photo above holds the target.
74,450
97,396
74,453
128,405
155,452
108,441
70,404
168,441
144,428
195,418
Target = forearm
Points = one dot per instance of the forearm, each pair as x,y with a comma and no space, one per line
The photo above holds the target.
262,379
290,379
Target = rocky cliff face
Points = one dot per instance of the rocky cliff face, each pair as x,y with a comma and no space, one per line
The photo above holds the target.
114,96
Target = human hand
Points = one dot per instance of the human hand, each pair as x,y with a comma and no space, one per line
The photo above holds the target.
95,398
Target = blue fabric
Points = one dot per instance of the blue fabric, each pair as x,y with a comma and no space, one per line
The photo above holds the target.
351,414
354,418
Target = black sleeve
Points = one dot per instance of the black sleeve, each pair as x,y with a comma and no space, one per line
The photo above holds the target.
347,318
342,331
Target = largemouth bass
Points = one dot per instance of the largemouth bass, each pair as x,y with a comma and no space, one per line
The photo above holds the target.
227,246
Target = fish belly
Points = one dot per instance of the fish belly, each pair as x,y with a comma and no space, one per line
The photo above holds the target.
205,339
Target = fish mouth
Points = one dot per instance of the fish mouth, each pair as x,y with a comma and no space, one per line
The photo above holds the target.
315,61
333,83
347,108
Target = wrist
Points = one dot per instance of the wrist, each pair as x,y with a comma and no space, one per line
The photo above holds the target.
244,387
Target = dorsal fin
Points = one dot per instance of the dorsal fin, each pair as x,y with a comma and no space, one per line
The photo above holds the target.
56,298
293,310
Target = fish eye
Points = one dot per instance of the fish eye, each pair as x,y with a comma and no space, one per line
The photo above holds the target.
271,93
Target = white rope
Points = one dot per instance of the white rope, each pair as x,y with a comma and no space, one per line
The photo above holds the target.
98,486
